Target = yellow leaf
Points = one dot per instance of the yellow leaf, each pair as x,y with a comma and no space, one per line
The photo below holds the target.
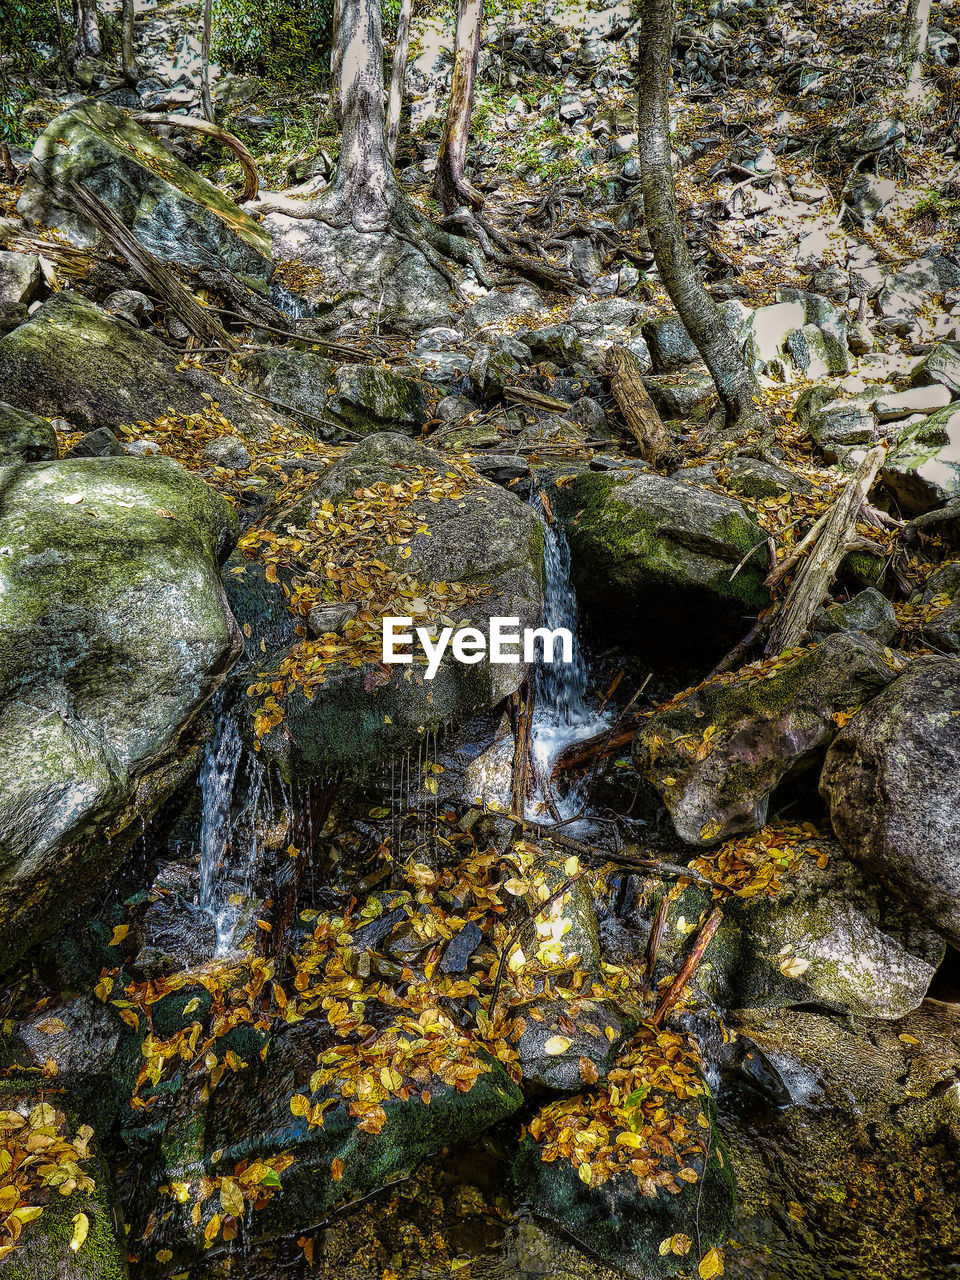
336,1169
711,1264
794,967
231,1198
681,1245
585,1173
300,1104
118,935
556,1045
81,1225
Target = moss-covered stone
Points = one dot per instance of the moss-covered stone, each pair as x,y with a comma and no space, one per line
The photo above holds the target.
114,630
655,557
173,211
717,752
72,360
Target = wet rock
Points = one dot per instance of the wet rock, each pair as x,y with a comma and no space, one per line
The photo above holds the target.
363,715
653,554
560,1035
115,631
869,612
101,443
24,437
21,278
718,751
171,210
922,468
889,782
828,935
72,360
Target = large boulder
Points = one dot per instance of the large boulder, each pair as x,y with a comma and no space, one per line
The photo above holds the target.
114,631
922,468
656,555
172,211
430,541
72,360
716,753
890,780
940,367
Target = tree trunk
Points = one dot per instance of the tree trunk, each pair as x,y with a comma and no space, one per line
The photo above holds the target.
206,100
128,62
86,42
913,41
735,382
396,82
336,63
364,188
452,188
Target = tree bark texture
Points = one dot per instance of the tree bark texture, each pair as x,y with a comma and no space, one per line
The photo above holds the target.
913,40
396,82
86,42
128,59
736,384
452,188
206,99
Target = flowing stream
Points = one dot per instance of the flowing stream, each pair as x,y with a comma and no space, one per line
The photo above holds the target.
564,712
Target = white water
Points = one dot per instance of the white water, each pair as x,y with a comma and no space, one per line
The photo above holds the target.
564,712
226,872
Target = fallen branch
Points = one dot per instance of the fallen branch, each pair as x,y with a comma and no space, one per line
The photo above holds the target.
835,538
600,747
200,320
677,987
192,124
657,930
521,714
639,412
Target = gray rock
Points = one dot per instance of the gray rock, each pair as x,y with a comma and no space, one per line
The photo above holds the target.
917,285
497,366
24,437
171,210
11,315
101,443
229,452
129,304
114,632
757,479
941,366
717,753
72,360
685,395
21,278
455,408
369,398
499,306
670,346
816,354
941,595
868,612
592,1029
650,554
866,195
902,404
922,467
890,782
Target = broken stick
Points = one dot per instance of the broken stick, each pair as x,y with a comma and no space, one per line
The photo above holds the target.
639,412
677,987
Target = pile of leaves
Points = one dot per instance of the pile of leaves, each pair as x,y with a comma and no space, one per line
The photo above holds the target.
755,866
38,1158
251,1186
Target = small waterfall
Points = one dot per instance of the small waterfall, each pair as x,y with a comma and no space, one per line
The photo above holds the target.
226,873
564,712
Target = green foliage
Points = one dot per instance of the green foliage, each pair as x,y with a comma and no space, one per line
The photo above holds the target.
25,25
280,38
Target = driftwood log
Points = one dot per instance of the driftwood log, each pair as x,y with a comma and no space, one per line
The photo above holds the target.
639,412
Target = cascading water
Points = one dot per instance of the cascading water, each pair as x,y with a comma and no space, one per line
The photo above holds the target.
226,873
564,712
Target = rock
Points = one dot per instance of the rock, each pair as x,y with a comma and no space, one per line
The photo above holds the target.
369,398
11,315
860,339
455,408
358,278
101,443
670,346
559,343
501,467
44,1248
941,366
658,552
571,109
115,631
922,468
24,437
836,425
21,278
681,396
941,595
619,1207
229,452
718,751
889,781
130,305
916,286
559,1034
756,479
767,329
815,353
299,379
364,713
815,1106
497,366
172,211
498,306
921,399
866,195
72,360
604,313
817,932
869,612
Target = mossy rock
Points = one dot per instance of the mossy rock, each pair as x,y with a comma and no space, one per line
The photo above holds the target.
653,558
717,752
72,360
24,437
174,212
114,631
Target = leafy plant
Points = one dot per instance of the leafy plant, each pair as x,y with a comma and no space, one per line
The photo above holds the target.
280,38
